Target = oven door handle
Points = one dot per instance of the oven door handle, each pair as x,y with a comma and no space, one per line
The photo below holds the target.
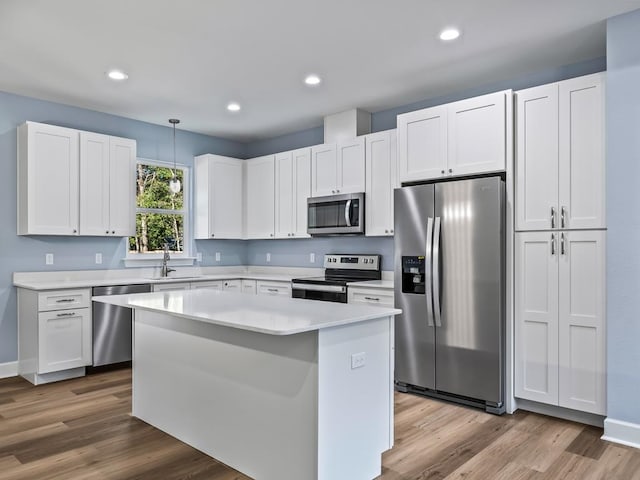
319,288
347,212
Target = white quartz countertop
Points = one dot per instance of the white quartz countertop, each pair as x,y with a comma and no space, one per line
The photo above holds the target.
383,284
61,283
257,313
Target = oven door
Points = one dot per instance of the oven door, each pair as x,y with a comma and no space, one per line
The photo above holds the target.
336,215
325,293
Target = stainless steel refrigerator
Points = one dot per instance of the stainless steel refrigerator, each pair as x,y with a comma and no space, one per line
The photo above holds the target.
449,283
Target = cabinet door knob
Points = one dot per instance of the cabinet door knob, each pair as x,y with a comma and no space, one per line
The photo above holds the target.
333,191
391,231
442,171
212,235
271,234
113,231
107,232
451,170
386,231
337,191
75,231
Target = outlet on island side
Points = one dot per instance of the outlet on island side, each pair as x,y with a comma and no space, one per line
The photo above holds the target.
218,256
199,256
312,258
98,258
358,360
268,257
48,259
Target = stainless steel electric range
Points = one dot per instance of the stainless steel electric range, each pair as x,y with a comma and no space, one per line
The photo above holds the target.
339,271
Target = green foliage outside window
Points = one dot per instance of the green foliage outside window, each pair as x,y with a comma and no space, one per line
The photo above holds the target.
159,216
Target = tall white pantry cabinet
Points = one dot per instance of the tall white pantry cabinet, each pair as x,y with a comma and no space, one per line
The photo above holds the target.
560,292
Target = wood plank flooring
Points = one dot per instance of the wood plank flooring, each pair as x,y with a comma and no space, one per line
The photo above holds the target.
81,429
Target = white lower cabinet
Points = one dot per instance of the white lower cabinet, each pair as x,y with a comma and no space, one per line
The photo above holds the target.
64,339
273,288
54,334
371,296
560,319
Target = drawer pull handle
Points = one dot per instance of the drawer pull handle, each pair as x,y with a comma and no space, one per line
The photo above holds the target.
275,290
376,299
65,300
67,314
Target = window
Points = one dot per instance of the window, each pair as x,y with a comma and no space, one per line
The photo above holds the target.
160,214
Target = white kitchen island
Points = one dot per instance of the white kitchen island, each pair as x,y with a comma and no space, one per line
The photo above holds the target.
277,388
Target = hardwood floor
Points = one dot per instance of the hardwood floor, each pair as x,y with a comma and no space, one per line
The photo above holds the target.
81,429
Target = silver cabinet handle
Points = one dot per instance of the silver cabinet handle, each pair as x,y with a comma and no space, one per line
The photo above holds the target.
66,314
442,171
274,290
562,243
562,216
553,244
65,300
372,298
451,170
333,191
347,213
338,191
436,272
391,231
271,234
212,235
427,272
386,231
75,231
553,217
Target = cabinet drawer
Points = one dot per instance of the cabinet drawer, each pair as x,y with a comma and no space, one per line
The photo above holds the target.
64,340
274,288
371,297
63,299
164,287
215,284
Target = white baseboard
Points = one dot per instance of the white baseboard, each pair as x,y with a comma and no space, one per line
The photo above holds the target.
561,412
9,369
624,433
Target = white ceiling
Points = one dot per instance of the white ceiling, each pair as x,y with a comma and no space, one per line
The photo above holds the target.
189,58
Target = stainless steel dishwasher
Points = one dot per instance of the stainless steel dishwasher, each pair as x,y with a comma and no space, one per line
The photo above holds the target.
112,326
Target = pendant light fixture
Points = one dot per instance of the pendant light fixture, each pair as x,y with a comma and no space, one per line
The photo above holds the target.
174,183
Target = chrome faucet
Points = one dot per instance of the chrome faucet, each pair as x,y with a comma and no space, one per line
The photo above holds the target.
164,272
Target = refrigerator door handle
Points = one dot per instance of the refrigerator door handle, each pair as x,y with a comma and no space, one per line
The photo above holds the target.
427,271
436,272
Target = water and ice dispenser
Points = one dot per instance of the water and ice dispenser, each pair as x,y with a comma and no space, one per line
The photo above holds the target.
413,275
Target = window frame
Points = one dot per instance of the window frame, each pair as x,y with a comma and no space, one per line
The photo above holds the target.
183,258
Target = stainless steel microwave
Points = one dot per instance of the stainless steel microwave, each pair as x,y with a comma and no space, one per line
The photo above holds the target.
336,214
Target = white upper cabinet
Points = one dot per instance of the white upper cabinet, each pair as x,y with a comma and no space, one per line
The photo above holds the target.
338,168
351,166
218,198
461,138
293,187
72,182
560,155
260,195
477,135
582,169
537,158
381,179
107,185
48,180
422,144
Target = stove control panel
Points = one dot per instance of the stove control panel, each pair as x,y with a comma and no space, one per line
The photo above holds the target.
352,262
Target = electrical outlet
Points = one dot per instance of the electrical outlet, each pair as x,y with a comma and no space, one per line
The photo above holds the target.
312,258
218,256
98,258
268,257
48,259
199,256
358,360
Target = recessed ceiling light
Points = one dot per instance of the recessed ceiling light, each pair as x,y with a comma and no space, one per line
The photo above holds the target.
449,34
233,107
117,75
312,80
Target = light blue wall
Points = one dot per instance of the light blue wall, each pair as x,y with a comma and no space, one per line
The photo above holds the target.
78,253
295,253
623,217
